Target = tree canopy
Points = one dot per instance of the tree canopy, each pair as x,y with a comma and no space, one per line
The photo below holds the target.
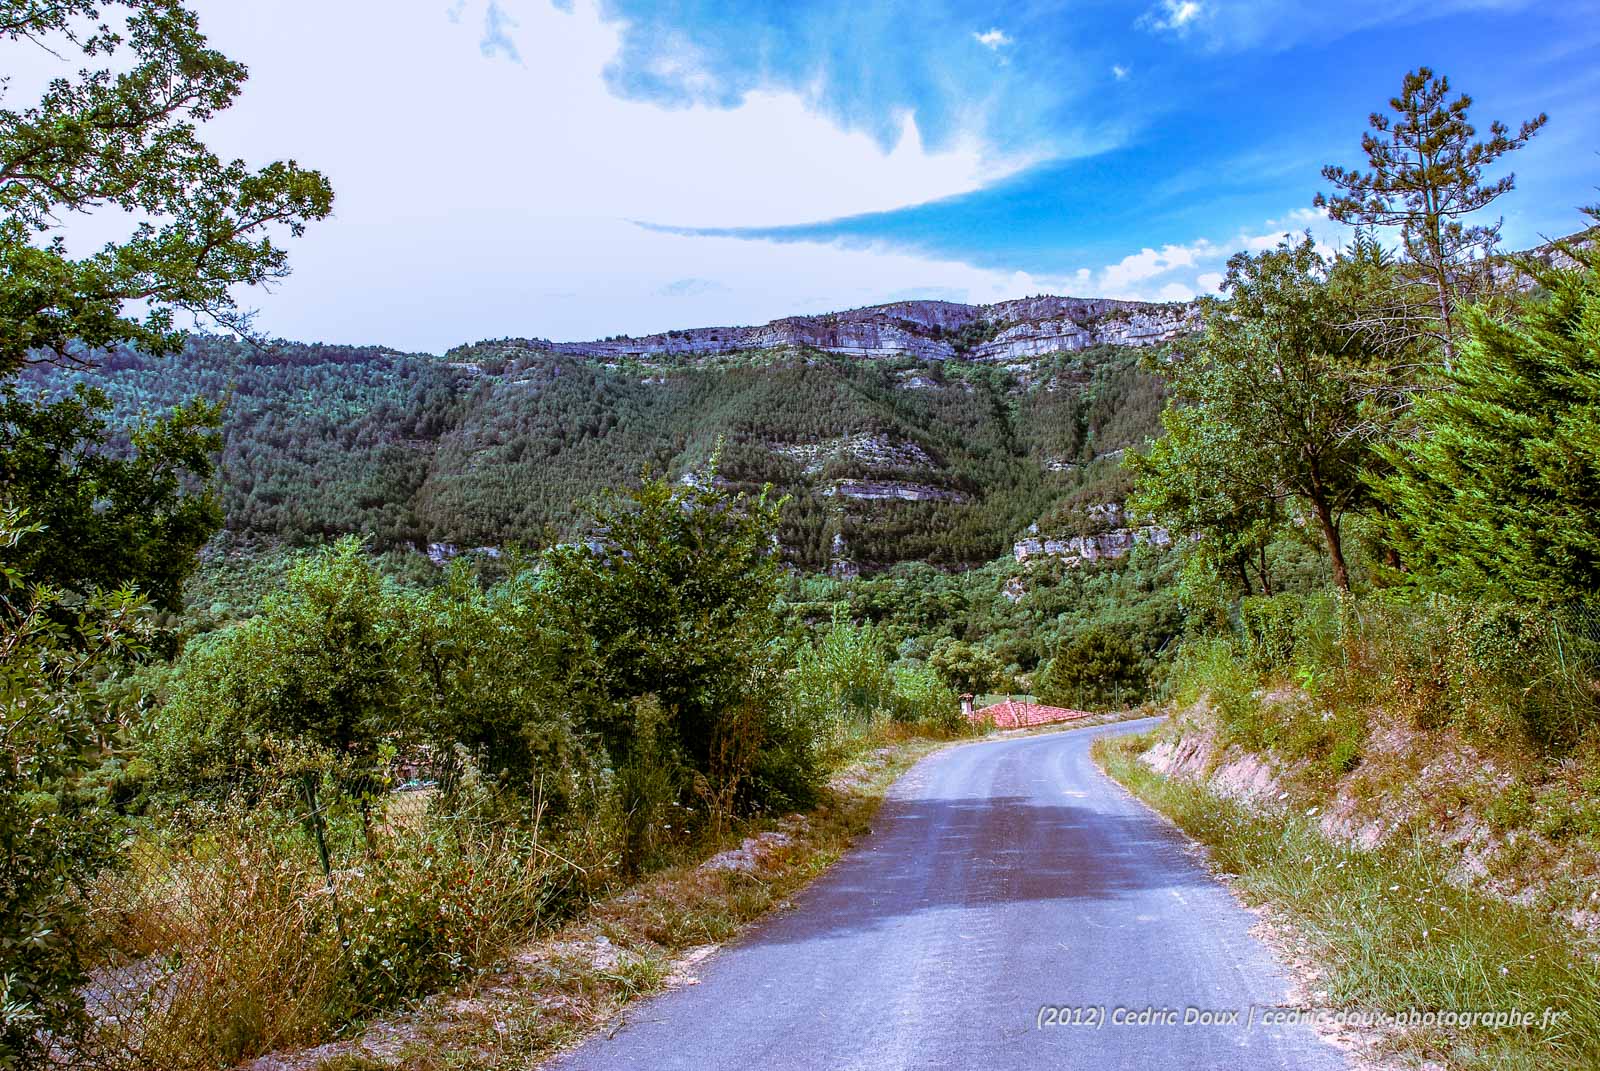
1498,493
1426,178
124,137
1273,403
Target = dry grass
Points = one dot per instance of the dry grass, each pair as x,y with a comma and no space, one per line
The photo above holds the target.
556,989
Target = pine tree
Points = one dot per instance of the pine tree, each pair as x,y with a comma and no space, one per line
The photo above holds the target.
1499,493
1426,178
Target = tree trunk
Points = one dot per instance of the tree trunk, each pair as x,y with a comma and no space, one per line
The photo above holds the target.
1330,532
1446,322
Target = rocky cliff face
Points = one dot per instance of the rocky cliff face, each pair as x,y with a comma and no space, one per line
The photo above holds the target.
927,330
1115,541
1090,548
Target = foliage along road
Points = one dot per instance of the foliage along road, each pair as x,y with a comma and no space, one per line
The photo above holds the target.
1005,884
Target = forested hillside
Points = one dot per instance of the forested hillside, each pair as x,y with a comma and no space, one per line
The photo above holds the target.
886,459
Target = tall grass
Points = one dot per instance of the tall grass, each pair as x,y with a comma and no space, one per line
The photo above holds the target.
229,938
1505,677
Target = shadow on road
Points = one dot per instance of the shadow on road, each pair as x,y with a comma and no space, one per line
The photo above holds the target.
931,854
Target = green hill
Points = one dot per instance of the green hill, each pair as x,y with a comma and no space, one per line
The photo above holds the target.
883,459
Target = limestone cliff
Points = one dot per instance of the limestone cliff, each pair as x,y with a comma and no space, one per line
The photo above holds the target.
926,330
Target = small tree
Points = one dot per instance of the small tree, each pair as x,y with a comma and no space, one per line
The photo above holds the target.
674,596
1179,485
1274,403
324,663
964,666
845,671
1426,178
1096,667
491,682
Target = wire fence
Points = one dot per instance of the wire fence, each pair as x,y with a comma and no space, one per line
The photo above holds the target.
231,931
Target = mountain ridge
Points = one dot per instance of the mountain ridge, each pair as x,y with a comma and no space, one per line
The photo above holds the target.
928,330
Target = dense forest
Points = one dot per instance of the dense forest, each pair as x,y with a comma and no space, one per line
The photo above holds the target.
484,449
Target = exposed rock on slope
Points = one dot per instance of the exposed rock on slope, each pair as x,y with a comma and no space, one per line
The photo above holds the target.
926,330
1471,803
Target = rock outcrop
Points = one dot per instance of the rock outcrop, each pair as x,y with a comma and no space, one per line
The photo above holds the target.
1075,550
885,490
927,330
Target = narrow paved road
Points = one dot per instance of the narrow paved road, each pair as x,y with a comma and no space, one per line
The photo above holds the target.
999,877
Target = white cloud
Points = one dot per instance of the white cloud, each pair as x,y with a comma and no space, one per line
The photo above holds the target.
481,197
492,198
1119,72
1180,272
993,39
496,143
1176,16
1226,25
1147,264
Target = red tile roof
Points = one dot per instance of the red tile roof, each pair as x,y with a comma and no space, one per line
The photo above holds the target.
1014,715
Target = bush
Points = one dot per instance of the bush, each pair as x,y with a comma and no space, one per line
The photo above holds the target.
676,599
922,698
648,786
1097,667
1270,625
323,663
965,667
844,674
54,833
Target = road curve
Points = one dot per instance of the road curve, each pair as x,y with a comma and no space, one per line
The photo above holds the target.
1000,877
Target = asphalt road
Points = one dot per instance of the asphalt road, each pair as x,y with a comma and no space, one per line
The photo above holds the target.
999,878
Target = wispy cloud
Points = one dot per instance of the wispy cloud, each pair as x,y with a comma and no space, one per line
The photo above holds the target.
1178,272
1175,16
993,39
1232,25
497,27
1119,72
691,288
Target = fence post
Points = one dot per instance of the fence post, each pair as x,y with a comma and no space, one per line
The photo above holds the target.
314,820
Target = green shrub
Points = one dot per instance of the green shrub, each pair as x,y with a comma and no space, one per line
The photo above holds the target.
324,663
965,667
55,832
1097,667
844,674
1270,626
648,786
922,698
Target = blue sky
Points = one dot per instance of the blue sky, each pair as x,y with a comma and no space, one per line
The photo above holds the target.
1184,121
588,167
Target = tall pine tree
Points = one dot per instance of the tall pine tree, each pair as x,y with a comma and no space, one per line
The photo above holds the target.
1426,178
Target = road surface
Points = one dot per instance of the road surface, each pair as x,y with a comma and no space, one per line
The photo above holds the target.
1000,878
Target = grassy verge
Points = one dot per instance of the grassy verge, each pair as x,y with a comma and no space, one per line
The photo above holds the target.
560,987
1388,934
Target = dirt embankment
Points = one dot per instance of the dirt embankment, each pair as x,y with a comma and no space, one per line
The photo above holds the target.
1522,831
